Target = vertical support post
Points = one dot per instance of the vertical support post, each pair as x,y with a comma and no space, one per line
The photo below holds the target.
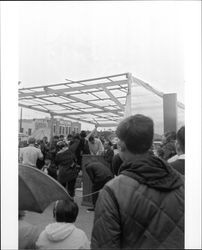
51,127
170,112
128,104
21,120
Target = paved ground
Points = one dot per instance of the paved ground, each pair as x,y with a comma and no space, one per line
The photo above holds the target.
84,220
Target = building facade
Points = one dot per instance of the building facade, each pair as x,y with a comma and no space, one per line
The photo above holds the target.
60,126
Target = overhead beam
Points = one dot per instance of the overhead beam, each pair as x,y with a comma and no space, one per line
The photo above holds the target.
108,92
33,108
93,91
55,114
80,81
87,113
92,86
105,125
82,101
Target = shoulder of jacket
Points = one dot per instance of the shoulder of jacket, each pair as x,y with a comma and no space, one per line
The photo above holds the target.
121,181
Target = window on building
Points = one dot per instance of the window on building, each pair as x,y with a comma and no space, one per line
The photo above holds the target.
77,129
60,130
69,130
54,128
63,130
29,131
66,130
21,130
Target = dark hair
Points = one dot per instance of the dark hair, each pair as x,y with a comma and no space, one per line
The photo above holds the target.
181,138
65,211
91,138
170,136
109,142
48,156
137,132
83,133
69,136
77,136
61,136
55,137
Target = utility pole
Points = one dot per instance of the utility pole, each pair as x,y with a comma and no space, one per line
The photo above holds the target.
20,120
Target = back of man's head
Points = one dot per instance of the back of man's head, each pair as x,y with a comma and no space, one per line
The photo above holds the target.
65,211
137,133
91,138
31,140
83,134
181,138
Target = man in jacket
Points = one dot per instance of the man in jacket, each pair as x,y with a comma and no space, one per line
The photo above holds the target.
99,174
142,208
180,148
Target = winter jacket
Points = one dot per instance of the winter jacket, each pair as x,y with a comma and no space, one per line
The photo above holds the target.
98,172
141,208
178,165
67,169
62,236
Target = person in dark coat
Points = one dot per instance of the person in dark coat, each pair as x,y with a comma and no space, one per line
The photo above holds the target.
108,153
53,149
167,149
180,148
65,161
99,175
143,207
116,164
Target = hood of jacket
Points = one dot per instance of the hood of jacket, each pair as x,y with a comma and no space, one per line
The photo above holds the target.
59,231
153,172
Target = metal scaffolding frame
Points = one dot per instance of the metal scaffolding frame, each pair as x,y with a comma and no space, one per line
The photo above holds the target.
96,101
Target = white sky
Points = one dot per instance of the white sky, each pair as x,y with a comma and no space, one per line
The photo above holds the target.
81,40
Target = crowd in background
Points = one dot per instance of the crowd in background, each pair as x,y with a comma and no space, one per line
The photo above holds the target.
149,184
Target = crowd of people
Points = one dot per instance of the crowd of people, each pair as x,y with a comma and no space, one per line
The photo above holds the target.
139,193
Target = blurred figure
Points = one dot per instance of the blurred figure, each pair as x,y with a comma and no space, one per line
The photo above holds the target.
50,167
180,148
84,143
116,164
108,153
65,161
63,234
99,174
53,147
74,146
143,207
95,146
61,138
27,233
167,149
30,154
